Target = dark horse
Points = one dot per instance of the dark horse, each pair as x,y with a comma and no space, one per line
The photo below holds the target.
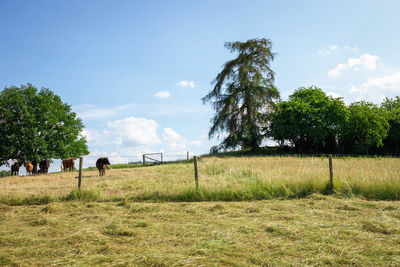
101,164
15,168
44,166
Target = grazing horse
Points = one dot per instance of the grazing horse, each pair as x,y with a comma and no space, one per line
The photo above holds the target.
68,164
44,166
101,164
29,167
15,168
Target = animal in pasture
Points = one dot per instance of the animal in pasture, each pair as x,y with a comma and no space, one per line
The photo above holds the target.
102,164
68,164
44,166
29,167
15,168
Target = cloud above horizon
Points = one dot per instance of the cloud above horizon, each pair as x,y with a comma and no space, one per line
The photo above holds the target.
377,88
186,83
366,61
334,48
133,132
162,94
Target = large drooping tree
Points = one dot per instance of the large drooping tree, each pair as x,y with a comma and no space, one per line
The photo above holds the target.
36,124
243,96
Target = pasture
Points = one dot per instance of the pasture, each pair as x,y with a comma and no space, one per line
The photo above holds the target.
247,211
220,179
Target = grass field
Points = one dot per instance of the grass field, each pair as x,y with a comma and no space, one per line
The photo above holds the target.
221,179
314,230
248,211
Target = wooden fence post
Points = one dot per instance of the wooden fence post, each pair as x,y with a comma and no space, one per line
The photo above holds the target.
196,175
161,157
330,172
80,172
187,155
144,160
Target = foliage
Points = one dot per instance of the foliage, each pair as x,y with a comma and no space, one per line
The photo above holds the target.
243,95
309,119
5,173
367,126
392,106
37,125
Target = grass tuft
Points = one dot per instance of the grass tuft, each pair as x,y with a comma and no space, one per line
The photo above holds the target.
377,227
114,230
85,195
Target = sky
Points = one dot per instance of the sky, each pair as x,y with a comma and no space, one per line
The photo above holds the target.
135,71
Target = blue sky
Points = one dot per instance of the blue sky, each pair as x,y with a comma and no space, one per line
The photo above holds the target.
135,71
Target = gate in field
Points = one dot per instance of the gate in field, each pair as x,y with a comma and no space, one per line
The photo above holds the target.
152,158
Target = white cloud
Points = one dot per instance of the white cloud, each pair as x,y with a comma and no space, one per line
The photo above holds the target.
334,95
173,140
114,157
328,51
92,112
133,131
377,88
186,83
366,61
162,94
85,133
334,48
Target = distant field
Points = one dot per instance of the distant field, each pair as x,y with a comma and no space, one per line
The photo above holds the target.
247,211
221,179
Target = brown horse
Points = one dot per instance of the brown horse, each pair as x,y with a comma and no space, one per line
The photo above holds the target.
68,164
29,167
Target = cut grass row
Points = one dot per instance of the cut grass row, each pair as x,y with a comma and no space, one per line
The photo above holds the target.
316,230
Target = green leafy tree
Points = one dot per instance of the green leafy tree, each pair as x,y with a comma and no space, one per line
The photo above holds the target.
37,125
392,106
243,95
310,120
367,126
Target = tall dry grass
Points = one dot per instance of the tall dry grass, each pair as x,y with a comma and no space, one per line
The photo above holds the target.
235,178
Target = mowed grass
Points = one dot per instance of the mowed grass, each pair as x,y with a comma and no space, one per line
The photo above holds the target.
247,211
316,230
220,179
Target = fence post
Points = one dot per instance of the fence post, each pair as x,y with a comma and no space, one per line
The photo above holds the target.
80,172
187,155
330,172
161,157
196,175
144,160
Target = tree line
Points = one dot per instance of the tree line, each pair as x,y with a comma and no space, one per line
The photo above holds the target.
248,110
